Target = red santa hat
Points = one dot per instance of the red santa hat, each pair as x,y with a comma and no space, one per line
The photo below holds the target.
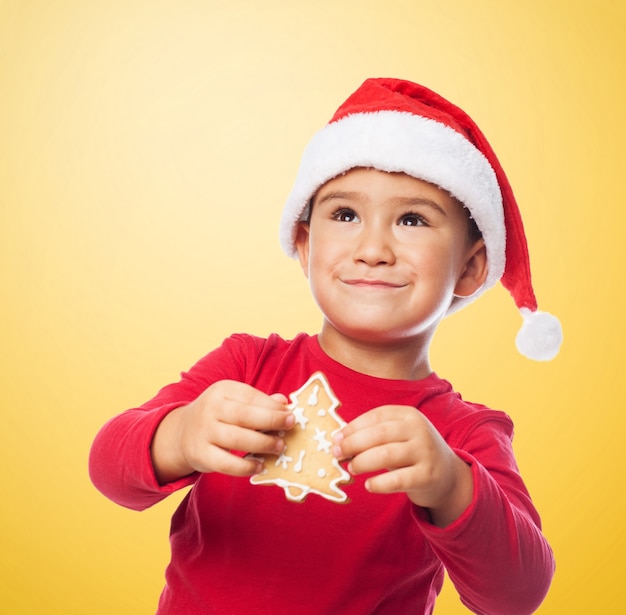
399,126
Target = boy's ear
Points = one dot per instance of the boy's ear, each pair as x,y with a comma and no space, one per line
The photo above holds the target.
302,246
475,272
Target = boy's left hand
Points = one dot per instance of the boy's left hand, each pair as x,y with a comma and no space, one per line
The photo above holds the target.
403,444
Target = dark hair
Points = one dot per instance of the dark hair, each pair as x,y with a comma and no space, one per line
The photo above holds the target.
473,232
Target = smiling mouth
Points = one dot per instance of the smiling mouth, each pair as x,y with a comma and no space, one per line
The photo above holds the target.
366,283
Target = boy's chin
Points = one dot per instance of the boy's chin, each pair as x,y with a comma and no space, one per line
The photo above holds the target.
380,336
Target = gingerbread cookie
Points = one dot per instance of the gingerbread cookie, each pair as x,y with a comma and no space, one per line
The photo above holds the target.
306,464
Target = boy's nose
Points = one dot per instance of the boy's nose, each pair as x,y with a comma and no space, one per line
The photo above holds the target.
374,247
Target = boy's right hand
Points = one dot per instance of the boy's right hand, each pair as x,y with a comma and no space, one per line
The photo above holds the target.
228,416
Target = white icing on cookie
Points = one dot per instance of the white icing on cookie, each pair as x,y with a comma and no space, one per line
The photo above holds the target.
316,470
283,460
323,444
300,418
298,466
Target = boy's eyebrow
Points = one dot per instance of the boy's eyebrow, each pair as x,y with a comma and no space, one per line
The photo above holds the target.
422,201
339,194
404,201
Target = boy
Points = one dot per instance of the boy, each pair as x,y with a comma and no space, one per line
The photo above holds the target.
400,215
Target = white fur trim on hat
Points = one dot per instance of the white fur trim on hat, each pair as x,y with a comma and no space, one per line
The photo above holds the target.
396,141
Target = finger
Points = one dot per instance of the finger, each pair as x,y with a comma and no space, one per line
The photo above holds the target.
354,443
256,414
397,481
216,459
374,419
243,393
236,438
368,419
387,457
280,398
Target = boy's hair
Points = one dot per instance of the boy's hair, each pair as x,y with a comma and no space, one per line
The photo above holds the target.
399,126
473,232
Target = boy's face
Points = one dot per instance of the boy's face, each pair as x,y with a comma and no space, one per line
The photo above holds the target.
385,253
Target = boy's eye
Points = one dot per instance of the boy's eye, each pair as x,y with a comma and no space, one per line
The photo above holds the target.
345,214
411,220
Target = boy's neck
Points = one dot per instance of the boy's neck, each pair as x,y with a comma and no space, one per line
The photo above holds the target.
398,360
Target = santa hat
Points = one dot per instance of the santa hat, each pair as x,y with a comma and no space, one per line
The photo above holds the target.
398,126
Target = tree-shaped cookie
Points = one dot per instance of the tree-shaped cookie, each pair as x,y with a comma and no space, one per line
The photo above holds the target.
306,464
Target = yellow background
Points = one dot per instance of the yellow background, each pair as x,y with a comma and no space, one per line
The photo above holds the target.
146,148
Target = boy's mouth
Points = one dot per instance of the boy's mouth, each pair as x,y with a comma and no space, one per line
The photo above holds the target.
372,283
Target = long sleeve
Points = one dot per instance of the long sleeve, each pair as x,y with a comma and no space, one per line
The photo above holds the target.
393,558
495,553
120,464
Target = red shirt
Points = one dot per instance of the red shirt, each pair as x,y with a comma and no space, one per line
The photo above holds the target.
242,548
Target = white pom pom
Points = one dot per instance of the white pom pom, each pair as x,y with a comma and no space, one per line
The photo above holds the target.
540,336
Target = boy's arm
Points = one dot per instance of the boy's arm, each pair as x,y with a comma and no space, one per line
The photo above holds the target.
120,463
191,426
495,552
120,460
203,435
146,454
470,500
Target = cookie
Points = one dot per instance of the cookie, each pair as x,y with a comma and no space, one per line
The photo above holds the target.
306,464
